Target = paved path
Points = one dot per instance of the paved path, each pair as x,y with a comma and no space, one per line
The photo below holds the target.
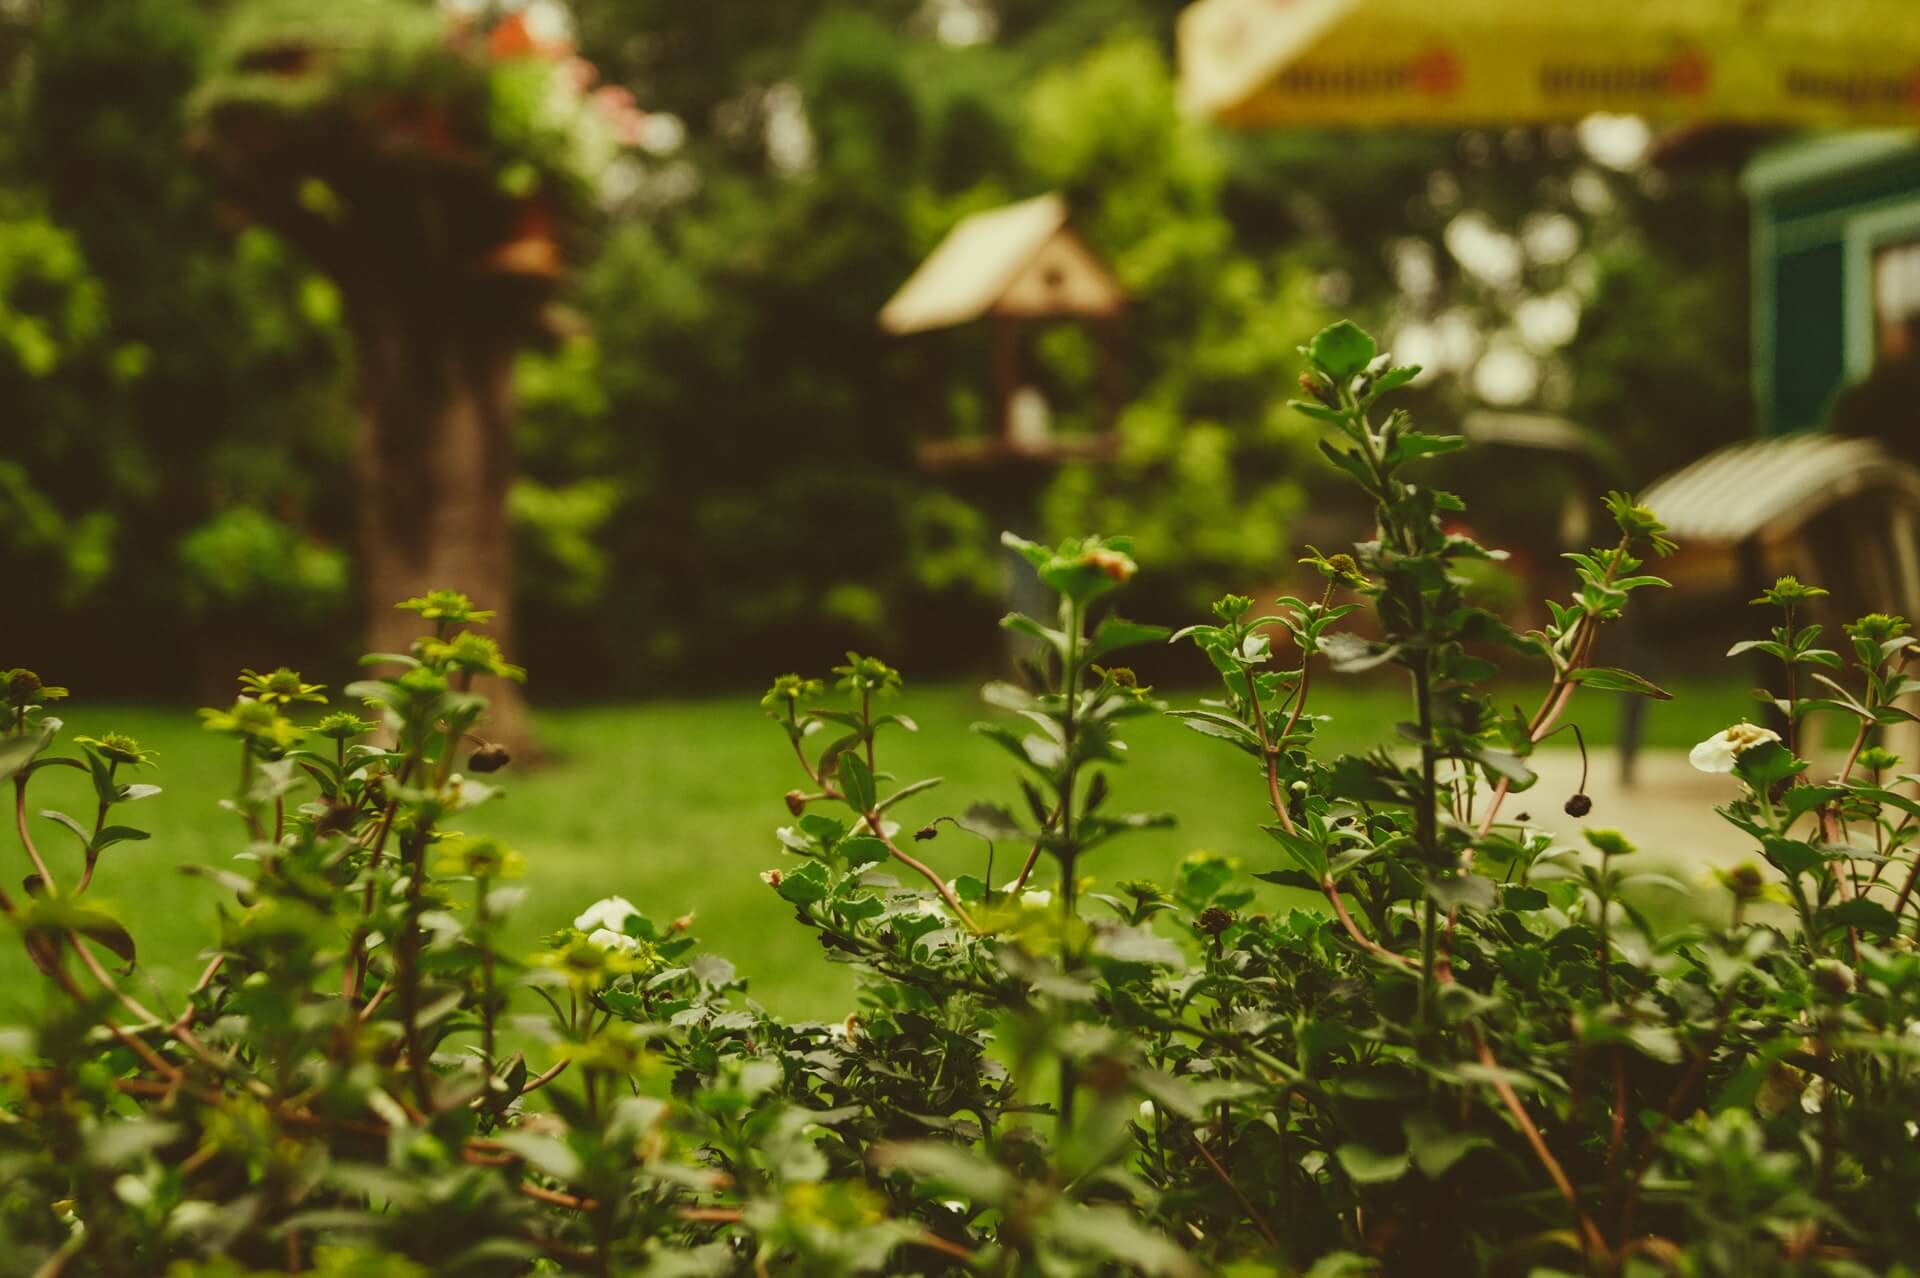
1668,812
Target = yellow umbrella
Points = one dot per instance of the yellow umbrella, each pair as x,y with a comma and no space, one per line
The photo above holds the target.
1333,62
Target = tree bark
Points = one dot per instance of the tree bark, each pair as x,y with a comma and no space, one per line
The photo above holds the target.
434,462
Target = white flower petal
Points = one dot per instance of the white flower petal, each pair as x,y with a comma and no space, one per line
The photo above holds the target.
1715,754
1719,751
608,912
608,939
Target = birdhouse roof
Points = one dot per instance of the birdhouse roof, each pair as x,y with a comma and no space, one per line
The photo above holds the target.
1018,259
1770,487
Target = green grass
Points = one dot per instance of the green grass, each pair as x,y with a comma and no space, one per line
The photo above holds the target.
672,804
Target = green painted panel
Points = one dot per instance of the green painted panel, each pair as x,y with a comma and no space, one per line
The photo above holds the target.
1809,335
1844,192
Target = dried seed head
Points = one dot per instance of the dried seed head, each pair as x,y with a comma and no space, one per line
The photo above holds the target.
490,757
1214,920
1579,805
796,802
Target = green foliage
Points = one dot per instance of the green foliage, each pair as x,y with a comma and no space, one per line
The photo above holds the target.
1479,1058
731,383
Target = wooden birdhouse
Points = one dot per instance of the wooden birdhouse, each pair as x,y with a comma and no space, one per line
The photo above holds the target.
1017,268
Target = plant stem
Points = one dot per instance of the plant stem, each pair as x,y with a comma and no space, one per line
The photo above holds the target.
1426,824
26,839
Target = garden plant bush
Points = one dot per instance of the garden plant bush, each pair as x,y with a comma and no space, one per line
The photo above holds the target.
1474,1055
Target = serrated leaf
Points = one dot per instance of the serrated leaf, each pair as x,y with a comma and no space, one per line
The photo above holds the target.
805,884
1612,679
863,850
1342,349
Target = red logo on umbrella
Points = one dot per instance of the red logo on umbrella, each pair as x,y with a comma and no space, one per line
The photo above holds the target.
1436,73
1687,75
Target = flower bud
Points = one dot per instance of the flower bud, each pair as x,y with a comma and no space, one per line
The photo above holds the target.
1833,978
772,878
796,802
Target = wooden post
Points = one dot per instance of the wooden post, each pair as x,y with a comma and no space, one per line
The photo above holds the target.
1006,369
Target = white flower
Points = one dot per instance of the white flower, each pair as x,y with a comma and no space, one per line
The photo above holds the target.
1146,1113
1718,752
608,939
609,912
1032,899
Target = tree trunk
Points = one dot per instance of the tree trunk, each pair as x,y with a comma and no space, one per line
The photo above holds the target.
434,461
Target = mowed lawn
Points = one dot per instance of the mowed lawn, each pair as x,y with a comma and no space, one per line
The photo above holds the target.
673,805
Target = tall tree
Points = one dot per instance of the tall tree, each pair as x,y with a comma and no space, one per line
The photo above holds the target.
439,173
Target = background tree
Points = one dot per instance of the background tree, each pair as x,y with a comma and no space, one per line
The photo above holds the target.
433,170
677,450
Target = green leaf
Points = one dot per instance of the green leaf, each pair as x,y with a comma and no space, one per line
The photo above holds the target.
1435,1146
1114,634
856,782
1306,853
1211,723
1802,799
1657,1042
118,834
1395,378
1462,890
1523,899
1412,444
1024,625
546,1154
1762,765
1348,460
991,821
1351,654
1612,679
80,832
805,884
1371,1166
1342,349
1791,857
908,791
946,1167
1318,411
1117,1234
1861,913
1503,764
863,850
17,752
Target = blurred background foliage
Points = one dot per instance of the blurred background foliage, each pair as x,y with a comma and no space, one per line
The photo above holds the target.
175,389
